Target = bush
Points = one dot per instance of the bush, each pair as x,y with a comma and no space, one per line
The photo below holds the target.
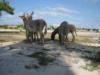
19,26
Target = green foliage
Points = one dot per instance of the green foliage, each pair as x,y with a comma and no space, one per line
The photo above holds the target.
88,29
4,6
12,27
42,58
20,26
93,56
51,28
4,27
91,66
99,38
96,30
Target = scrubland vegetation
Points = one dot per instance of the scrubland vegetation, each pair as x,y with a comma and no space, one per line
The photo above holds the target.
51,27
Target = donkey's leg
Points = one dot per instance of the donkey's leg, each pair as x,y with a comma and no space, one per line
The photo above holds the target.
34,37
60,39
41,38
37,36
27,35
63,39
31,36
67,37
73,39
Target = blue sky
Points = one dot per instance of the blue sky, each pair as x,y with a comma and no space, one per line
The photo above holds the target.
82,13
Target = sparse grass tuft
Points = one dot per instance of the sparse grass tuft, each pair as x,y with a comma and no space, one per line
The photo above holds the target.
94,57
91,66
99,38
43,58
1,40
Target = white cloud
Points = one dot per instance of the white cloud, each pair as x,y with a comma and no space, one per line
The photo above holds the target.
8,16
92,20
49,11
57,11
62,9
11,19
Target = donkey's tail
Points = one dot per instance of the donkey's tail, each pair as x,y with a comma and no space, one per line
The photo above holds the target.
45,30
75,33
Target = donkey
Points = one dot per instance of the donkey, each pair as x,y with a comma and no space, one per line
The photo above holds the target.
29,36
63,31
72,30
38,26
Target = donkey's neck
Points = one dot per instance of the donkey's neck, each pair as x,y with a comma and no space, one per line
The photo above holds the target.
25,24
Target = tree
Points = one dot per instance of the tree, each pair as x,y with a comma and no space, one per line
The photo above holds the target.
4,6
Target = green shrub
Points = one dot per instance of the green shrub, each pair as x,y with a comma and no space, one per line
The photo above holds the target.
19,26
93,56
42,58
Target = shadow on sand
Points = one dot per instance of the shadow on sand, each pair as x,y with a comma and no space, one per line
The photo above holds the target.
13,57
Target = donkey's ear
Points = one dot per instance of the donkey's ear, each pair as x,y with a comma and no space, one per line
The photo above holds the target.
20,17
32,13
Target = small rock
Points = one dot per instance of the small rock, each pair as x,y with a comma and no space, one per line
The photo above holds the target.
20,53
45,49
32,66
7,48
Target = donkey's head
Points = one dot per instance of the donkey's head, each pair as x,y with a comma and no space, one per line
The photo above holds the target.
24,18
29,16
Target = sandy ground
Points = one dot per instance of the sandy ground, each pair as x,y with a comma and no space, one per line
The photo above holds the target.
13,56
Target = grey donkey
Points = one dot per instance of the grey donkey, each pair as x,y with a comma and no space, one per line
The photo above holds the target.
38,26
63,31
29,35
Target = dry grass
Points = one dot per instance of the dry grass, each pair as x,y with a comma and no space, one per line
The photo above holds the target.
4,37
78,38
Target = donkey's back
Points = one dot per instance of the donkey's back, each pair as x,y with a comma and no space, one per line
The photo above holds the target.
37,25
